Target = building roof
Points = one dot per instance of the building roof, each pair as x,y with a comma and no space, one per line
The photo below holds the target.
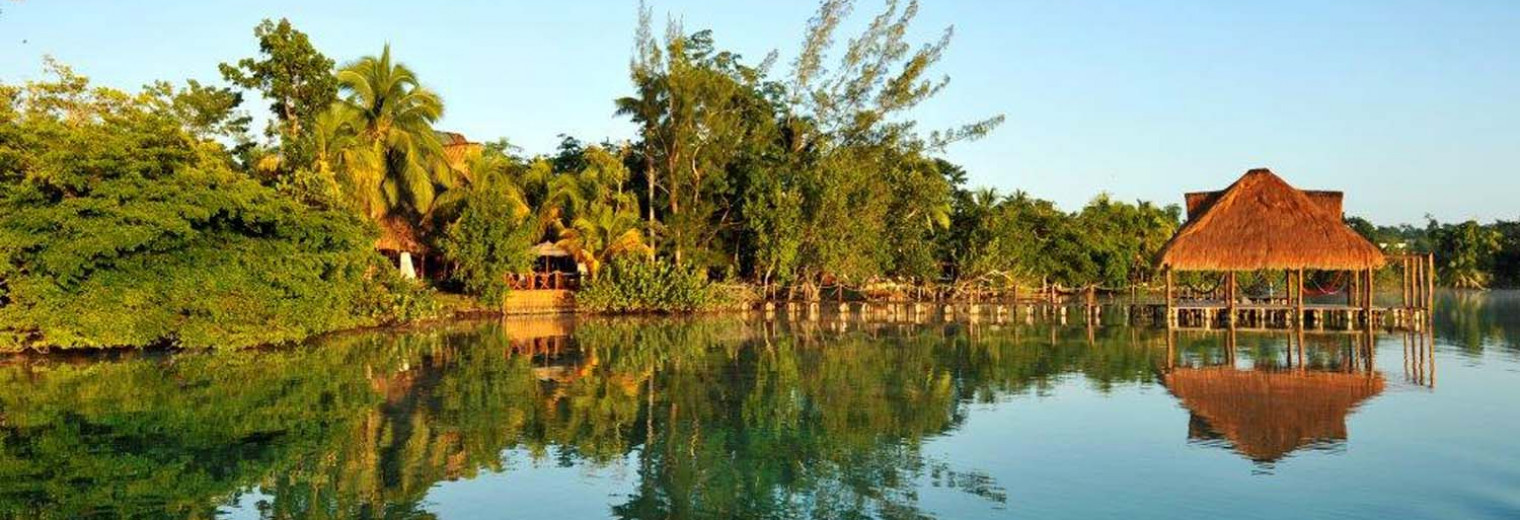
1267,415
1260,222
397,234
549,249
457,150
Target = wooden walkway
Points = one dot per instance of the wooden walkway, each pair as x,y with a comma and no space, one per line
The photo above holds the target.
1190,314
1209,314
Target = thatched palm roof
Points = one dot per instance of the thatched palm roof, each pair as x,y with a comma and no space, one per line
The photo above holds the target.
1260,222
1267,415
398,234
549,249
457,150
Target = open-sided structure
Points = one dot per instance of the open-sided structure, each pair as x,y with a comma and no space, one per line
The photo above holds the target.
1260,223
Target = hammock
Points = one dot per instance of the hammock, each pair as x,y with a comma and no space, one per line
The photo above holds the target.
1339,282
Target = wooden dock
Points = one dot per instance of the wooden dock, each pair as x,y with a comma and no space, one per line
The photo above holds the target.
1186,314
1210,314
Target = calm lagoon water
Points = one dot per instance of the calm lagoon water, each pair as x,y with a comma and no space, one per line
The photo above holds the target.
734,417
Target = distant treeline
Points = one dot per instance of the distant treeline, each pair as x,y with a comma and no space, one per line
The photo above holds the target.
1468,255
160,216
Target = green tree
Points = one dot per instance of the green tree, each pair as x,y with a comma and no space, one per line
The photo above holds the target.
296,79
1465,253
492,234
122,225
596,219
1507,260
394,115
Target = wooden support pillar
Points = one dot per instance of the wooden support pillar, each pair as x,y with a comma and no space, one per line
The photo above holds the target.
1417,286
1351,288
1298,296
1230,299
1367,292
1404,275
1430,280
1169,303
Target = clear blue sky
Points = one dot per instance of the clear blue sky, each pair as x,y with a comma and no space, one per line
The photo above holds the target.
1412,107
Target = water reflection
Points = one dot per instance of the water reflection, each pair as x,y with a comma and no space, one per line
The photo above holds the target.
1271,408
713,417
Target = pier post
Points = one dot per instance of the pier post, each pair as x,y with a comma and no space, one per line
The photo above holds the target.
1169,297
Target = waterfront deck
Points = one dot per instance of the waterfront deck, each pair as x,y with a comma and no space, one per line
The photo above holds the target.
1187,314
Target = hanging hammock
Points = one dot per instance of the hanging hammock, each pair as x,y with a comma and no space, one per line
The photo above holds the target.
1339,284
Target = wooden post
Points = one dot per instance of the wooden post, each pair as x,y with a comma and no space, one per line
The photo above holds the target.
1168,297
1230,299
1368,291
1351,288
1404,269
1430,280
1298,296
1417,286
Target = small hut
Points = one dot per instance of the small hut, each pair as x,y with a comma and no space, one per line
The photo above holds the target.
398,241
1261,223
1267,415
553,268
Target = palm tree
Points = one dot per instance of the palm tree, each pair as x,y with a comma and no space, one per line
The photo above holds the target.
342,156
393,114
596,220
602,232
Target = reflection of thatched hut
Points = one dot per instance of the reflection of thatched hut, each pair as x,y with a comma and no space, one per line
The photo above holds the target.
1267,415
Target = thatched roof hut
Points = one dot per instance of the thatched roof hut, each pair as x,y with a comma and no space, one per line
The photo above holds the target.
550,250
397,234
1260,222
1267,415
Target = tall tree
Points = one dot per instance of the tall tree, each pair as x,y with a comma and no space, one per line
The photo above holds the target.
848,126
700,111
296,79
394,114
1465,253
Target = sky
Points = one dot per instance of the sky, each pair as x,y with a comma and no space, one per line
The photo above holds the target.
1411,107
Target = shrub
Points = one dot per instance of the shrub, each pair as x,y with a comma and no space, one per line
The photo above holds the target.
388,299
486,243
120,228
631,286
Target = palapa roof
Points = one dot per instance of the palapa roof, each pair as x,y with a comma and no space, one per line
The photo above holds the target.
397,234
457,149
1267,415
550,249
1260,222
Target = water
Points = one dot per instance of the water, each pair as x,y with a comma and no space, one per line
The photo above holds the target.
732,417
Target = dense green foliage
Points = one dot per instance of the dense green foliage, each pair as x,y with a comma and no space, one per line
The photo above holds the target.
639,286
489,240
136,218
120,224
1469,255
